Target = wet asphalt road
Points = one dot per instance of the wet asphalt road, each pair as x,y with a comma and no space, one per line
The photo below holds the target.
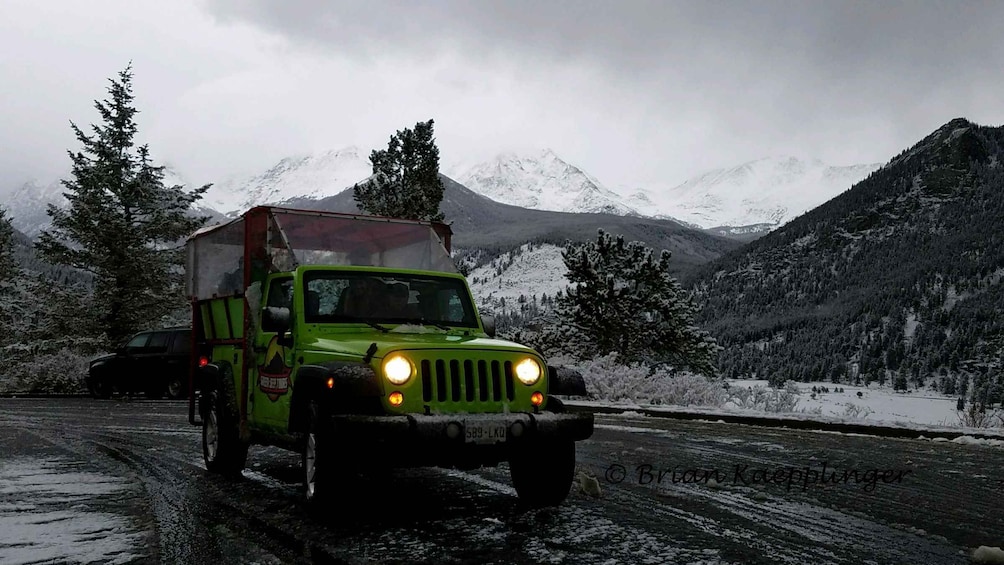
122,481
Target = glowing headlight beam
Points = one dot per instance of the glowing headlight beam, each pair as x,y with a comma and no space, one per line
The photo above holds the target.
397,369
528,371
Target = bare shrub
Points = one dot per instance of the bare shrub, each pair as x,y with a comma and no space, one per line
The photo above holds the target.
976,415
60,372
855,411
608,380
764,399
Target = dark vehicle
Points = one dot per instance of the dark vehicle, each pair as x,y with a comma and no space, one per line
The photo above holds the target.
153,362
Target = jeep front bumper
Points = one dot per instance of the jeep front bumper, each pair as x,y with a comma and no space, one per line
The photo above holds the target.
452,428
417,440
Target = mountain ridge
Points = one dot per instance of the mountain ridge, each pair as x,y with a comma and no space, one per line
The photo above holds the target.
894,277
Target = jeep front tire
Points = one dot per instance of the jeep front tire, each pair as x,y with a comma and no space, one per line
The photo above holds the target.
317,462
542,472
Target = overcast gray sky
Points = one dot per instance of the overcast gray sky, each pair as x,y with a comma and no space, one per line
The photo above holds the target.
632,91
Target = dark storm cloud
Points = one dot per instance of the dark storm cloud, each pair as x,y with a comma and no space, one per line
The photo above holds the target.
629,91
833,40
762,70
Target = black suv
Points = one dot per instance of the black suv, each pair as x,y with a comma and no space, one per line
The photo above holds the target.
153,362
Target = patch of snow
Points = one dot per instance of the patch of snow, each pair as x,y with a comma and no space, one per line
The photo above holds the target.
988,555
416,329
528,272
37,527
910,328
970,440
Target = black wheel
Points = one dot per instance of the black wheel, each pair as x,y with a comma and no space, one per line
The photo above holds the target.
100,388
542,472
175,388
222,448
317,468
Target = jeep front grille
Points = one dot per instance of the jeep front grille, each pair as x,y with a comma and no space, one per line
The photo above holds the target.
467,381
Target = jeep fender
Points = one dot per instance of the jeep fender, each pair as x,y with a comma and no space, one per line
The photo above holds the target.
354,389
214,377
564,381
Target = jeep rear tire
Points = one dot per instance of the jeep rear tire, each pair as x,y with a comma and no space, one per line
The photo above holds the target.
222,449
542,472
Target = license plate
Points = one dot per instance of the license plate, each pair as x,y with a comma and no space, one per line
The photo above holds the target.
483,432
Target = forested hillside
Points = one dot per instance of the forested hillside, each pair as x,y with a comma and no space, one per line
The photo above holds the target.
898,279
27,258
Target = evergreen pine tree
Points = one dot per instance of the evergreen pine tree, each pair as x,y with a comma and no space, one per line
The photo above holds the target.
9,304
7,264
123,224
622,299
405,181
899,381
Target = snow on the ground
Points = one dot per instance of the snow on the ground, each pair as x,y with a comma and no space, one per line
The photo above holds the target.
875,404
878,406
970,440
990,555
49,513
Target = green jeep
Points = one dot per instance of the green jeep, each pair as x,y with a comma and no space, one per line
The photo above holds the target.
354,340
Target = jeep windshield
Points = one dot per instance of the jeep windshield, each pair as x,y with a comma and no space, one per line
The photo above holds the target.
386,298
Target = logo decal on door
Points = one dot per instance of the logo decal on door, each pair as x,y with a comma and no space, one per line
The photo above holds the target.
273,374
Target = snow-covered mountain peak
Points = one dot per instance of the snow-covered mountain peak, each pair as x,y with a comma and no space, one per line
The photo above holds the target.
539,179
767,191
300,176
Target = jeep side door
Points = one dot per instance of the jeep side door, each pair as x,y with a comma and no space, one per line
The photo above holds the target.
269,375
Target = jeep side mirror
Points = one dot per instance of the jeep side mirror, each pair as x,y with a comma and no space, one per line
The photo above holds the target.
275,319
489,323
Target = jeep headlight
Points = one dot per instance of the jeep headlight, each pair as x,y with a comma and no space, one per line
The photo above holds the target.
397,369
528,371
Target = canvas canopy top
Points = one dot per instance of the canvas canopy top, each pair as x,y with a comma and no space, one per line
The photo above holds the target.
272,239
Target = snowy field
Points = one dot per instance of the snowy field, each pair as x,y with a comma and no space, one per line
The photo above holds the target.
880,406
875,404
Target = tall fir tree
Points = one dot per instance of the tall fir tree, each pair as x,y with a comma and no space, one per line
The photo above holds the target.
405,181
123,224
11,307
622,299
8,266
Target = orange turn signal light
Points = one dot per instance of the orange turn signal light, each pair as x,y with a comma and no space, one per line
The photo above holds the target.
203,361
396,399
536,399
331,382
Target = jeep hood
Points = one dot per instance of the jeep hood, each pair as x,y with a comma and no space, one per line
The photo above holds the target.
357,344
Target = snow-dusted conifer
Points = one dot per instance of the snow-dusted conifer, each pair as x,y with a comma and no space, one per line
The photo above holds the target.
8,266
405,181
123,224
622,299
10,305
